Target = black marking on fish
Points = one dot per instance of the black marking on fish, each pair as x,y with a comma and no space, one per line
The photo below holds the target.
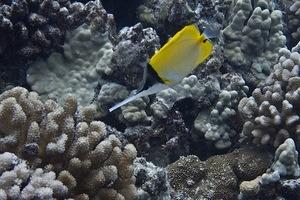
152,78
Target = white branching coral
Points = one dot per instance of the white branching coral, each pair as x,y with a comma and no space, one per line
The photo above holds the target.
216,124
19,181
271,114
285,163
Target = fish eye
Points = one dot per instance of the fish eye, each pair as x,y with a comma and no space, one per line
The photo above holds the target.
204,40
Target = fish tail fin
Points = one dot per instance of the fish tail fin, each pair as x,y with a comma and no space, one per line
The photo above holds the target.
212,32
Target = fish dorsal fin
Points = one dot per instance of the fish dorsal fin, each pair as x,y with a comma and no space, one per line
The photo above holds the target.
152,90
183,53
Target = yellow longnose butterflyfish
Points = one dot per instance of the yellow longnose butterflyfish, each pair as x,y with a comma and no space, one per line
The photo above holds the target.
175,60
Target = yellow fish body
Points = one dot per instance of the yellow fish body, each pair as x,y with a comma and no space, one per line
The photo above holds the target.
175,60
181,54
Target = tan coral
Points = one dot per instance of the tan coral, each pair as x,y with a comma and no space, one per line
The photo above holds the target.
66,140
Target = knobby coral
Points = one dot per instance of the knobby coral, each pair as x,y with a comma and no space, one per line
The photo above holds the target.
217,124
252,39
293,22
271,113
281,180
67,141
18,181
285,163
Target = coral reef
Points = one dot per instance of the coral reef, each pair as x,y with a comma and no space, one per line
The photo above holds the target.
191,178
285,163
252,39
293,21
151,181
211,136
190,87
218,124
271,113
67,141
278,181
36,28
169,16
134,47
77,71
18,181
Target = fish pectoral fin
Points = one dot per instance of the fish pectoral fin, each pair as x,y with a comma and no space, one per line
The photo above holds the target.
152,90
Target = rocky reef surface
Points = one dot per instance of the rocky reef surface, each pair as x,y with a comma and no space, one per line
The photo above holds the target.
229,130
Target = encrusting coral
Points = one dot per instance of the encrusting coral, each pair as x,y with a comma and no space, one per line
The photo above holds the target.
168,16
151,180
77,71
252,39
191,178
271,113
67,141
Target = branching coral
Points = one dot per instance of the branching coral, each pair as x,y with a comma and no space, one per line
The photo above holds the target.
18,181
218,125
285,167
293,13
285,163
271,114
252,39
66,140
